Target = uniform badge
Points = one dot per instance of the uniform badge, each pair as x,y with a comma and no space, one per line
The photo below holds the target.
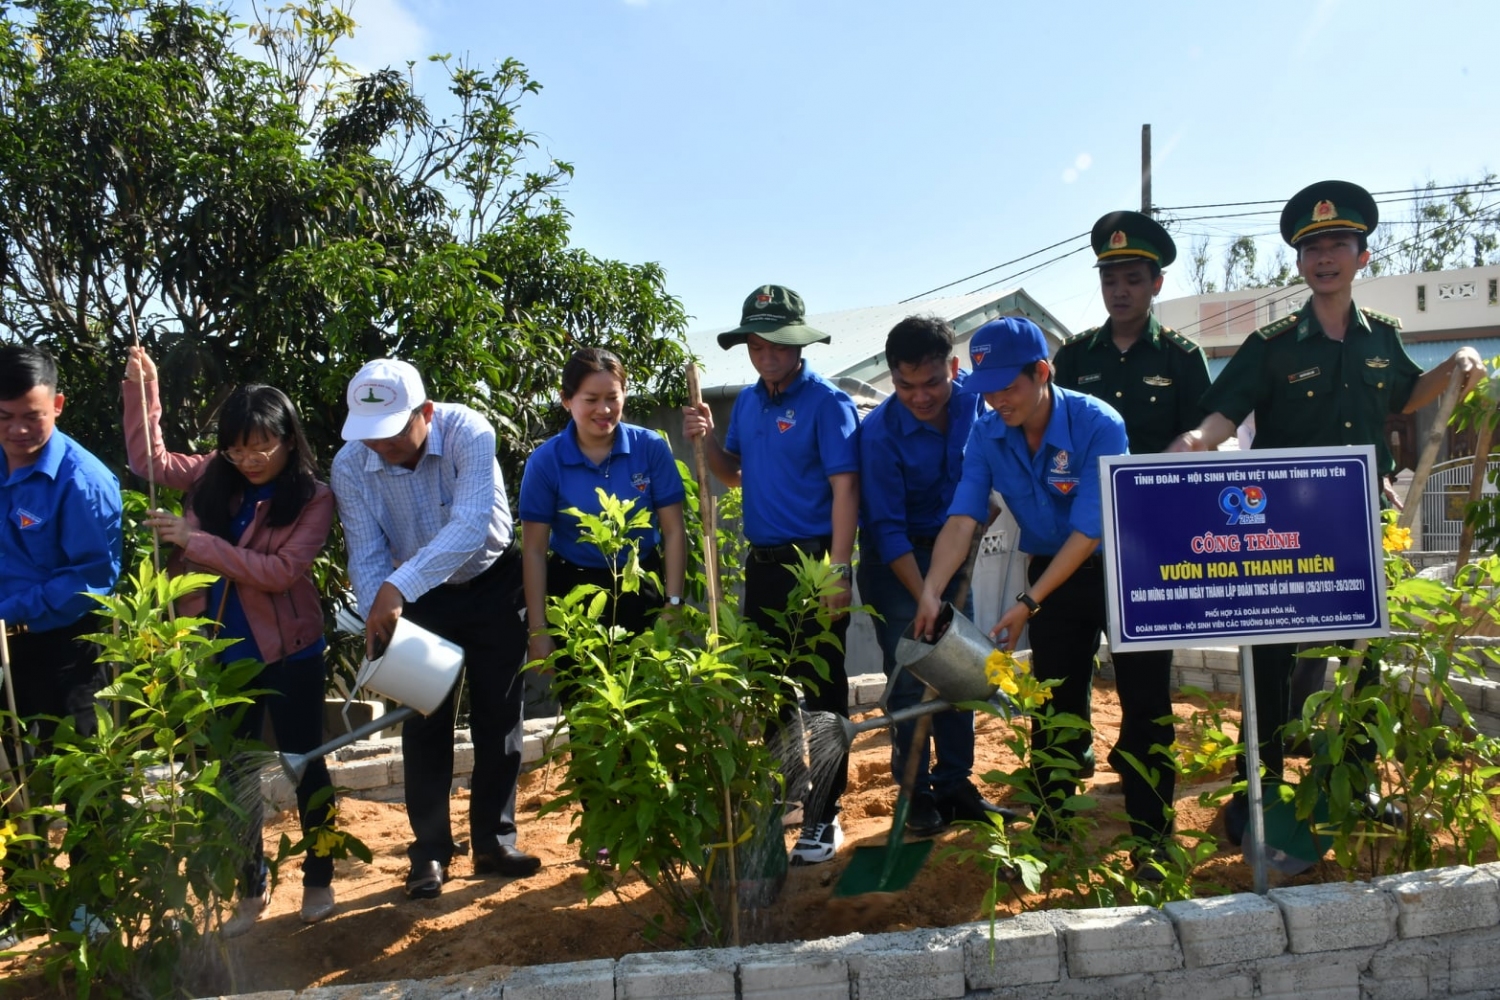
1303,375
1060,462
786,421
1324,211
1118,240
977,353
1157,380
1377,362
1061,477
26,519
762,300
641,482
1086,379
375,394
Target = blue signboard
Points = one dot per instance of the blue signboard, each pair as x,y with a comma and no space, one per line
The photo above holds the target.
1243,547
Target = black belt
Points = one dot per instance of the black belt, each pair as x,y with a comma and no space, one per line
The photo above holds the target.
506,558
787,552
922,541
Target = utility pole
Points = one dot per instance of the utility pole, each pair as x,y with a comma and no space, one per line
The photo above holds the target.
1146,207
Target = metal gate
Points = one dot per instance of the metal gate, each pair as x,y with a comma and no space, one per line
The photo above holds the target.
1444,499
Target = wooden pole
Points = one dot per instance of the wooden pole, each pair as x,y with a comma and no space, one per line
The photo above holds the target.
1446,403
711,586
1477,476
1146,208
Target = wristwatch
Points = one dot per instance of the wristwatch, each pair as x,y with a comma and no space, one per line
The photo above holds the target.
674,601
1032,606
840,570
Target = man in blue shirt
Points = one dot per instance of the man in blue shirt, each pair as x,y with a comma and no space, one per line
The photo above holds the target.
911,456
60,543
792,444
1039,447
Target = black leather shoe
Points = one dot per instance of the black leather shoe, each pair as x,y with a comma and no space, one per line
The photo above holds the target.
425,880
966,805
507,860
1236,818
1388,813
924,820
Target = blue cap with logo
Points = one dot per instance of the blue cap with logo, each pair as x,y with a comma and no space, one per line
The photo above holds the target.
1000,349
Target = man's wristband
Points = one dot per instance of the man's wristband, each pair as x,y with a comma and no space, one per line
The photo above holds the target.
674,601
841,570
1032,607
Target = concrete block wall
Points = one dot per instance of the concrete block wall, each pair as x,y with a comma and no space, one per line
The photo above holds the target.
1424,934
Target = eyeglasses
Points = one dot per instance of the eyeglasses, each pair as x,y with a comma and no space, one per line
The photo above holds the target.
399,434
244,456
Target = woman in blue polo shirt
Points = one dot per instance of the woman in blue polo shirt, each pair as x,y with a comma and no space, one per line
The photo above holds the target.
597,451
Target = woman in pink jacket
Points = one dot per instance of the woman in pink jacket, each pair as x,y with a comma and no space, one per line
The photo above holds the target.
256,515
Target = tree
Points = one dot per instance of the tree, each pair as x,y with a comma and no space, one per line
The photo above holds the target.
1446,232
278,219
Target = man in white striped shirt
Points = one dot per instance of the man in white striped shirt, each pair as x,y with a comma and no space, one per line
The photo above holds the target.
429,535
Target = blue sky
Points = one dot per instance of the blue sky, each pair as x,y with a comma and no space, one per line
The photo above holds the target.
865,152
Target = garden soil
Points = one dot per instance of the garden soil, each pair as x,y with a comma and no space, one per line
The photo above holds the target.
378,935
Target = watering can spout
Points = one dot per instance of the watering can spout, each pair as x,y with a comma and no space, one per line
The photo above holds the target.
294,765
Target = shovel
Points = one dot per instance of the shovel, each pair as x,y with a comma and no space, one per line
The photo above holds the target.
892,867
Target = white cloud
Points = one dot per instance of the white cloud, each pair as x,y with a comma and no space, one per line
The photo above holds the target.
1083,162
1069,176
388,34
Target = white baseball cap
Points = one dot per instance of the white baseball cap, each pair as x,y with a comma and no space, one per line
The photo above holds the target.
381,397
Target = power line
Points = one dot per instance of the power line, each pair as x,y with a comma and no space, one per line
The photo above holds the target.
1477,185
980,274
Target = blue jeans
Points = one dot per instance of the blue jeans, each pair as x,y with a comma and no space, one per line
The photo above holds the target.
952,732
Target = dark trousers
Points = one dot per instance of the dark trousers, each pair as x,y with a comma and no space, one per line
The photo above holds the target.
768,585
633,612
484,618
952,732
1064,643
55,675
295,705
1144,684
1274,663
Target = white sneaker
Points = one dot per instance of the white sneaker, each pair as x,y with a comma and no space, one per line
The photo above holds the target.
819,842
246,913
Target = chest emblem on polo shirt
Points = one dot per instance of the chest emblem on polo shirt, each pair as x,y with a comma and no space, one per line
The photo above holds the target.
1377,362
26,519
786,421
1157,380
1061,477
1304,375
641,482
1086,379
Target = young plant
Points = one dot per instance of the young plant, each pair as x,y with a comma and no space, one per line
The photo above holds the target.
155,818
662,763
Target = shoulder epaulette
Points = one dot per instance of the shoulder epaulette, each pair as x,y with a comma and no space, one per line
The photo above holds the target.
1279,327
1085,335
1178,340
1390,321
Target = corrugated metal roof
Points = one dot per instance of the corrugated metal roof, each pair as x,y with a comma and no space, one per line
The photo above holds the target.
858,345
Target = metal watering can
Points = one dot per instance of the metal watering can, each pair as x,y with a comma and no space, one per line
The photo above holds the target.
417,668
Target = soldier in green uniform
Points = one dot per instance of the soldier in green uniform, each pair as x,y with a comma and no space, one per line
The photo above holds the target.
1328,374
1155,378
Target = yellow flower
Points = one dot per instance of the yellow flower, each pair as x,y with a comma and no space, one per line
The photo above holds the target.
1396,539
7,834
328,841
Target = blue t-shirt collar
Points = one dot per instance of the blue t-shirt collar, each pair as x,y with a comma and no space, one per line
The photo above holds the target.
804,374
957,404
571,454
48,460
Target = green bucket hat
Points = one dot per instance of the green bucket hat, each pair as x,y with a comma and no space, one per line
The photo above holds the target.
776,314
